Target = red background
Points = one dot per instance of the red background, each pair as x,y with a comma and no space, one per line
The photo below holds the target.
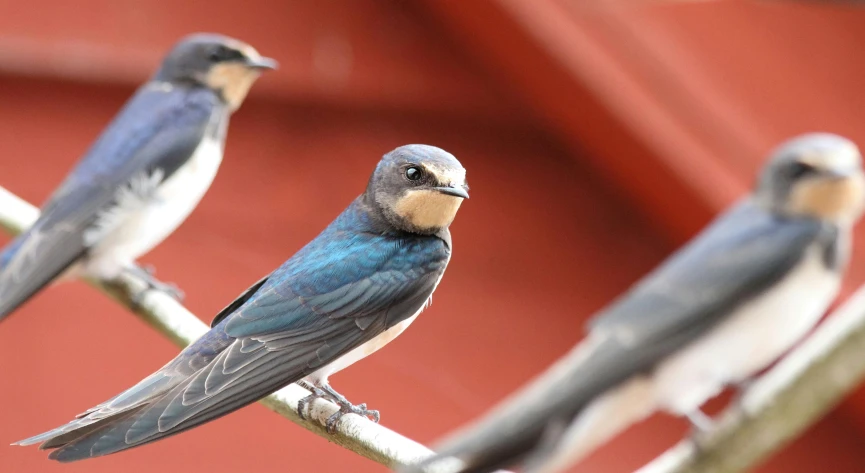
597,138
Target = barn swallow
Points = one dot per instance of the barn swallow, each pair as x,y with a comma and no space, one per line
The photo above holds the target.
342,297
718,311
142,177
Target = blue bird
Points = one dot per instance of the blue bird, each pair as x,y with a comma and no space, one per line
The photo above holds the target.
142,177
343,296
716,313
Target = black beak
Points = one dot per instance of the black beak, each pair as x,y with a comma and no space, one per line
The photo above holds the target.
454,191
262,63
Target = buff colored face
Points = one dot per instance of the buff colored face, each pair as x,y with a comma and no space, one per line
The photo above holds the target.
428,208
836,190
828,198
234,79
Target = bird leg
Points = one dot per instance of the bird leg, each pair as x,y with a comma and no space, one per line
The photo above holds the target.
742,387
701,426
700,422
324,391
146,274
346,407
315,393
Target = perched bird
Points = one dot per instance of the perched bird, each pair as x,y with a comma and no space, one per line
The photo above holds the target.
343,296
714,314
142,177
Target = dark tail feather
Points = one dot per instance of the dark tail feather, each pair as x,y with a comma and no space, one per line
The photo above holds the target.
8,252
110,414
12,299
173,406
113,437
20,280
70,437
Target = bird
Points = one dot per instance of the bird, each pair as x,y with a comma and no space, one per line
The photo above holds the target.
142,176
343,296
722,308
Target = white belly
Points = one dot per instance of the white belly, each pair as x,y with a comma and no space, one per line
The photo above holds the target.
749,340
320,376
362,351
148,210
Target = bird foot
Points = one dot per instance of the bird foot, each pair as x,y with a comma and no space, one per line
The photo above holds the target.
303,404
349,408
701,424
701,427
742,388
345,407
147,274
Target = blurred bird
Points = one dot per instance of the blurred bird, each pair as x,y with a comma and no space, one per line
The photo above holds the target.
715,313
343,296
142,177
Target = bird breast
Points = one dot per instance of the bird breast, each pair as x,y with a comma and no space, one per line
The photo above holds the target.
750,339
148,209
362,351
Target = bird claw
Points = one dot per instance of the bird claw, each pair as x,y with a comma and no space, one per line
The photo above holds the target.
169,288
742,388
701,424
306,402
347,408
701,427
147,274
324,391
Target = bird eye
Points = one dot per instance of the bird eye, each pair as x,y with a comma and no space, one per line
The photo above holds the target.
800,169
413,173
222,53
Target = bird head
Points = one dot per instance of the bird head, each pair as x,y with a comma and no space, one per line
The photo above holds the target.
418,188
816,175
227,66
